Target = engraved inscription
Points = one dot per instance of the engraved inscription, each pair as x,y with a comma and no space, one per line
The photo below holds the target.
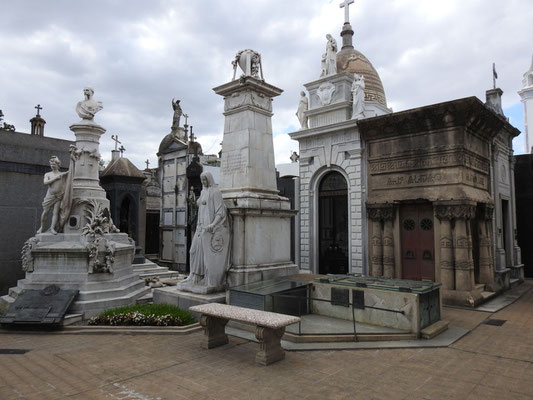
232,163
435,161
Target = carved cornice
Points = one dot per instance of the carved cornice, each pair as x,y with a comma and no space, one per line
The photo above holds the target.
455,211
381,212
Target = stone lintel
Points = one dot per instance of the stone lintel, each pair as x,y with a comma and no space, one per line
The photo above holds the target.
248,108
248,82
343,76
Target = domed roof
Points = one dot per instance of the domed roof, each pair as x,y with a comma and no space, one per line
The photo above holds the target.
351,60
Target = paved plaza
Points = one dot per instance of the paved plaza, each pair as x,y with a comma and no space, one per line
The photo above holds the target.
490,362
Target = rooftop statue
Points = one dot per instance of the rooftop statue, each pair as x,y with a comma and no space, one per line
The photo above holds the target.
358,93
250,63
87,108
303,106
329,58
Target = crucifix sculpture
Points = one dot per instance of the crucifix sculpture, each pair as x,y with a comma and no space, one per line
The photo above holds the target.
39,108
346,5
115,138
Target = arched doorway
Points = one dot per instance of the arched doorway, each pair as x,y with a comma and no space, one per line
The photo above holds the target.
333,224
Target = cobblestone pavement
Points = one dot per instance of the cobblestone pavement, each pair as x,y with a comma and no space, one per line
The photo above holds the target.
491,362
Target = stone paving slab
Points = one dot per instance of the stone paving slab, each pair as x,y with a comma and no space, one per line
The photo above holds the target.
490,362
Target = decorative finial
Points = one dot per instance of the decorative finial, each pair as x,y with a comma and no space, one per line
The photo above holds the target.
494,75
88,107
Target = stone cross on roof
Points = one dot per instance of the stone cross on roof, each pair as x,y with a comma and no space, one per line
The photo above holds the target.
147,163
346,6
122,150
39,108
115,138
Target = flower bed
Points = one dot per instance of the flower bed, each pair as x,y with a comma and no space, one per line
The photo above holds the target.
144,315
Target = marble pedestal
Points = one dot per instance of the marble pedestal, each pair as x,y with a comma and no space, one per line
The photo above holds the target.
260,217
63,260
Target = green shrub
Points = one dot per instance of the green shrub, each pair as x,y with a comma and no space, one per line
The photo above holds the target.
144,315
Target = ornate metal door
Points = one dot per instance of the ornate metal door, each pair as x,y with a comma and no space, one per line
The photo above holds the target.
333,224
418,247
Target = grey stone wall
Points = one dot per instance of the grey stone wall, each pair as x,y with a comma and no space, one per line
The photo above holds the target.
23,162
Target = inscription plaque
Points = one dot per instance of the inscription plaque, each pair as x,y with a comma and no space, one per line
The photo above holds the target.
44,307
358,299
340,297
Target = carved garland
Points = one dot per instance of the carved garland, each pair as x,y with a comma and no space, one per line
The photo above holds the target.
380,212
27,257
101,250
455,211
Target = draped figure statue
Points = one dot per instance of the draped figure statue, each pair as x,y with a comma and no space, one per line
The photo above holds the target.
210,248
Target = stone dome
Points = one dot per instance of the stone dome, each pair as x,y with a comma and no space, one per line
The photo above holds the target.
351,60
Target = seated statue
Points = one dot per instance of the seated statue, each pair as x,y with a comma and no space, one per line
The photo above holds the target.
210,248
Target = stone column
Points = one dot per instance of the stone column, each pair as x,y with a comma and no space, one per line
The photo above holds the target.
388,243
376,258
447,273
464,264
486,265
382,241
86,181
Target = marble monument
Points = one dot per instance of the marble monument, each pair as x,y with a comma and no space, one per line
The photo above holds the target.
90,254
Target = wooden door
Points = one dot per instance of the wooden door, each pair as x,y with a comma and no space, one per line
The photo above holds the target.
417,240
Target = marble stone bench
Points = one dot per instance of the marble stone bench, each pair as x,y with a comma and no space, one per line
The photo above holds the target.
269,328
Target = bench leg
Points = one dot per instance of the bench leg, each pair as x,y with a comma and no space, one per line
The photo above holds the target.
214,331
270,349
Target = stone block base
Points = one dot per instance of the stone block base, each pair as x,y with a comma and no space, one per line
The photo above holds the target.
517,272
243,274
462,298
171,295
503,278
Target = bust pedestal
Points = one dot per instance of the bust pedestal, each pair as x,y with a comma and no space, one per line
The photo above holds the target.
261,218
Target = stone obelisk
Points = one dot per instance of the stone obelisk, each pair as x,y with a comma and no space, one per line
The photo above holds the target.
261,218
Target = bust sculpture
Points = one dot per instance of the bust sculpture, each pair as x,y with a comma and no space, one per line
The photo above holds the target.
209,254
87,108
303,106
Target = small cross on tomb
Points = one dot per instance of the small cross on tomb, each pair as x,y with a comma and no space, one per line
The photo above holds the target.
346,6
122,150
39,108
115,138
185,116
147,163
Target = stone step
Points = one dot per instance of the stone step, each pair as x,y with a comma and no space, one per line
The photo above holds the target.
435,329
71,319
514,282
161,274
480,287
88,295
14,291
92,308
488,295
146,299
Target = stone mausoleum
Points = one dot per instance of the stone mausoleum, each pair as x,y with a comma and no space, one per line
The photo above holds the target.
332,190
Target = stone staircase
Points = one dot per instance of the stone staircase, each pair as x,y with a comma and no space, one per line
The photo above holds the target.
149,269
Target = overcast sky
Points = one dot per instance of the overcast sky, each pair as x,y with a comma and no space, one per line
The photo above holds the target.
138,55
